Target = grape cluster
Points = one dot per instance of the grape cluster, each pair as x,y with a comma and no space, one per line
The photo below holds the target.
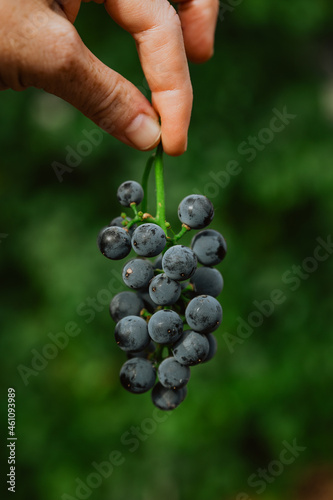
165,321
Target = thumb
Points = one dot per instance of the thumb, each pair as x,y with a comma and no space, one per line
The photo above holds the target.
103,95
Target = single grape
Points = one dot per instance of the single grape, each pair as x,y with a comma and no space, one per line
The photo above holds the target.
125,304
131,334
204,314
196,211
137,375
191,349
167,399
148,302
130,192
148,240
179,263
137,273
158,262
184,392
142,354
114,242
163,290
212,347
165,327
118,221
207,281
209,246
172,374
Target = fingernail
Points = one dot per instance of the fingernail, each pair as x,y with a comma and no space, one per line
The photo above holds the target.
143,132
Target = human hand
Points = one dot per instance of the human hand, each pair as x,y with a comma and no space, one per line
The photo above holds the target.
55,59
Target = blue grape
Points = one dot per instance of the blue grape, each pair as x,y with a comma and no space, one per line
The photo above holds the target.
196,211
148,240
131,334
114,242
172,374
158,262
183,392
209,246
212,347
191,349
137,273
142,354
130,192
125,304
179,263
118,221
165,327
207,281
204,314
163,290
137,375
148,302
167,399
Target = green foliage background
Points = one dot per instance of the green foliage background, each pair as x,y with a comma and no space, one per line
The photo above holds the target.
276,385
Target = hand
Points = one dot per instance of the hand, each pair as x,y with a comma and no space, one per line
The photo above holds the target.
51,55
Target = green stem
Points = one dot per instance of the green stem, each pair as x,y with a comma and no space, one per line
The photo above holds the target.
133,221
144,182
160,196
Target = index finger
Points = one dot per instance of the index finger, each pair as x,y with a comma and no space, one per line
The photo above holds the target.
156,28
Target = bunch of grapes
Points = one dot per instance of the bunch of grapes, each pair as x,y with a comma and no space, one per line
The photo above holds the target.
164,323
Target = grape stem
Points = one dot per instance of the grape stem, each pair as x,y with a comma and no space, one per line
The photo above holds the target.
155,160
159,182
144,182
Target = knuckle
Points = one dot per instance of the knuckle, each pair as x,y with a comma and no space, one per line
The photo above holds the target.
65,50
110,107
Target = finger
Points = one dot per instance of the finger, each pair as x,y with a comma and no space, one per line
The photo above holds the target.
198,18
73,73
156,28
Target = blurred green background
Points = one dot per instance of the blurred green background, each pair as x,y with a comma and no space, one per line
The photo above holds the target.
274,386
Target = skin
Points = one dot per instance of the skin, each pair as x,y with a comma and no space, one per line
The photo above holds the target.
39,47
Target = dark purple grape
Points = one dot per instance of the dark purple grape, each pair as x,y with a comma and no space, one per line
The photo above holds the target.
184,392
148,240
191,349
212,347
163,290
130,192
207,281
131,334
209,246
151,347
204,314
137,375
167,399
165,327
196,211
172,374
137,273
118,221
179,263
148,302
125,304
114,242
158,262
